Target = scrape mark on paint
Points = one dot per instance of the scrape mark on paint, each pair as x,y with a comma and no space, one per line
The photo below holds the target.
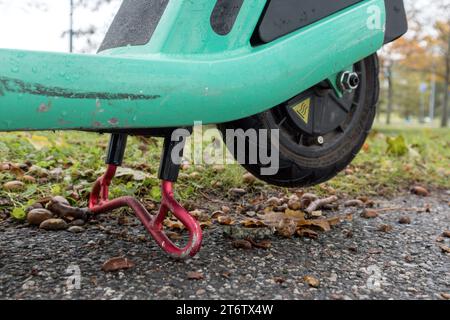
18,86
97,124
44,108
113,121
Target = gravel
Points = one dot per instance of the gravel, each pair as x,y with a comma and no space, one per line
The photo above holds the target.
353,261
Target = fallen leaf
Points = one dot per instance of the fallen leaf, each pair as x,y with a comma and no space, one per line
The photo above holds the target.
273,202
217,214
225,220
396,146
117,264
446,296
322,224
446,234
175,225
264,244
420,191
226,209
307,233
242,244
312,281
19,214
286,227
194,275
252,223
238,192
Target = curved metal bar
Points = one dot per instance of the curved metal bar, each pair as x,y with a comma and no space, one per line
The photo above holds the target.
99,203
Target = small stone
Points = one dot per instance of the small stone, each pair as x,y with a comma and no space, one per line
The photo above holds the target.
37,216
354,203
29,179
369,214
404,220
36,205
53,225
76,229
61,200
251,213
200,292
385,228
420,191
312,281
226,209
294,203
316,214
248,178
14,186
78,223
237,192
273,202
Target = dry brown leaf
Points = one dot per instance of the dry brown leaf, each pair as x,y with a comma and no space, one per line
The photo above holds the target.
264,244
286,227
175,225
307,233
446,234
446,296
225,220
194,275
117,264
312,281
252,223
217,214
295,215
375,251
334,221
321,224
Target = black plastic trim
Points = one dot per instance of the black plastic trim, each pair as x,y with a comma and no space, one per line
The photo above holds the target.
134,24
396,20
224,15
282,17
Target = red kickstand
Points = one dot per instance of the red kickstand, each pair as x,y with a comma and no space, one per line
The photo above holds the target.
100,203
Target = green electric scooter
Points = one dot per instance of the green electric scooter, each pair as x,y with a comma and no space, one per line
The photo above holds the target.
305,68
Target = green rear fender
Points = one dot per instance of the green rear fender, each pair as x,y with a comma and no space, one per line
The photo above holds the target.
181,76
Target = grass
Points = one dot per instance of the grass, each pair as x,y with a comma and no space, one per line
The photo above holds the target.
68,163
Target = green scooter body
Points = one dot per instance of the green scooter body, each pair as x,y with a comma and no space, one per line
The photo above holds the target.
185,73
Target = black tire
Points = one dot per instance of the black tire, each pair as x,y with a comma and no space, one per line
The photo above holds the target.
305,166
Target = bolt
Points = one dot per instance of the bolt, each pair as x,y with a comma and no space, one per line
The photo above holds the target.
320,140
348,81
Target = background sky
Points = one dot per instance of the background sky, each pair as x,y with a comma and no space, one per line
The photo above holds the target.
23,26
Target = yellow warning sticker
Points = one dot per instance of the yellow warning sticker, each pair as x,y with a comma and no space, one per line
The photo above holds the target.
302,109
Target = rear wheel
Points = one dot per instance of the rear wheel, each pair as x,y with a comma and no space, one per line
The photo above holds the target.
320,133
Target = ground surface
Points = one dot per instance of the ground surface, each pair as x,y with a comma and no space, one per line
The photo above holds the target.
353,261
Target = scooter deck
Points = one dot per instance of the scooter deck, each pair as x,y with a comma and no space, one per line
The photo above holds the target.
212,78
